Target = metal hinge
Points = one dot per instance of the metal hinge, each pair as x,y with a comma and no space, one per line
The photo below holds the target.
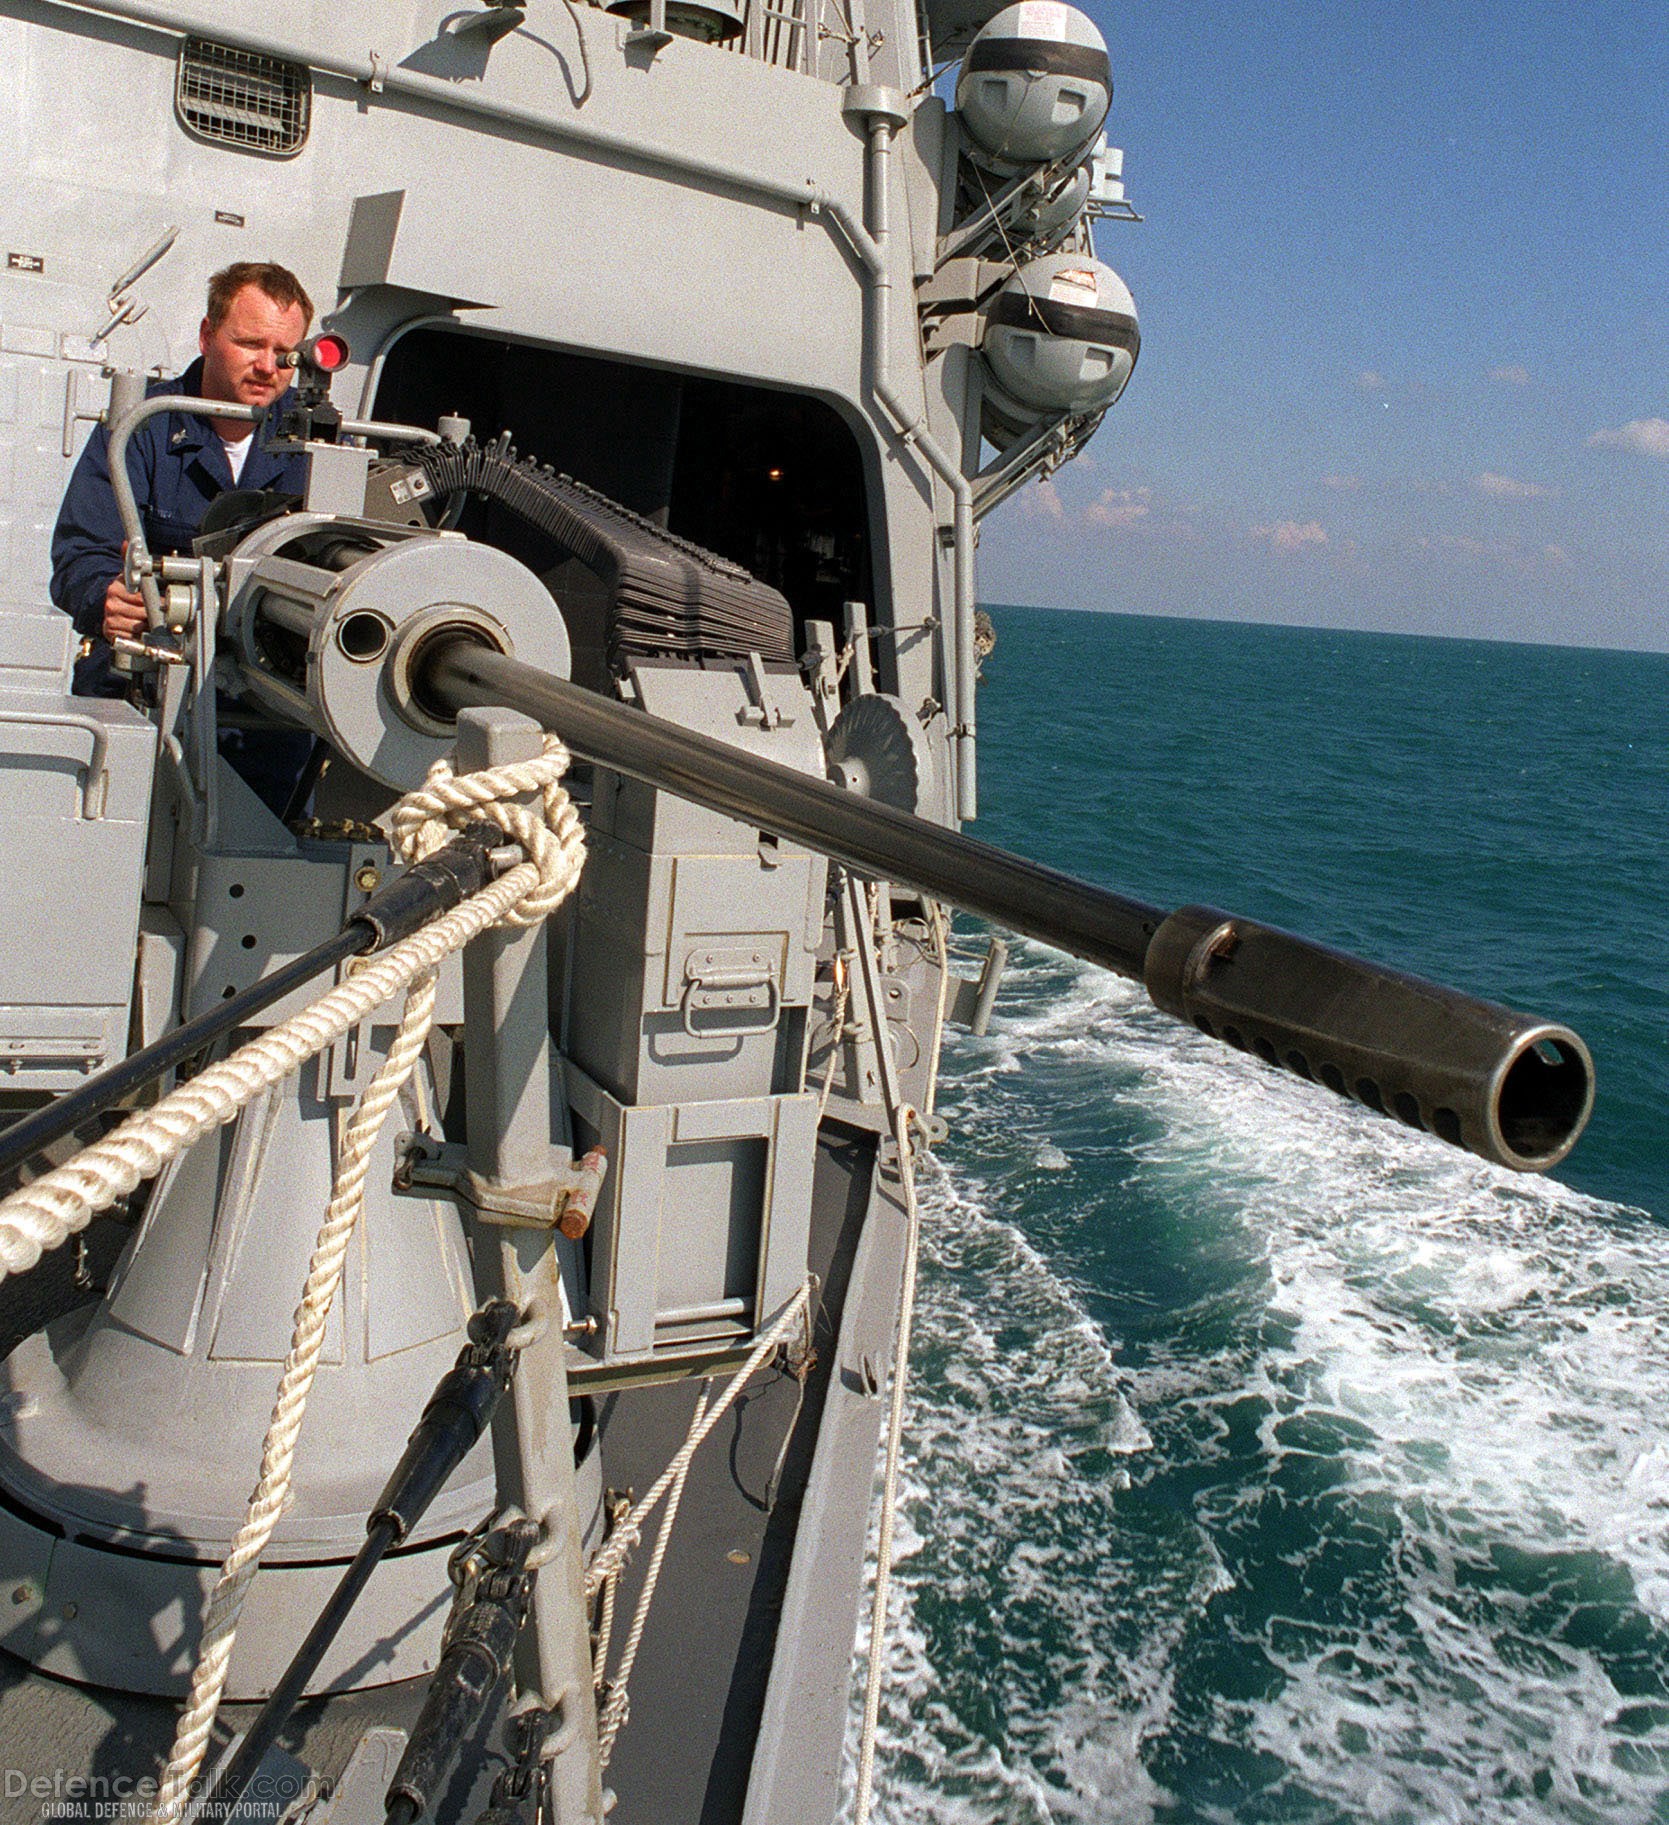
565,1201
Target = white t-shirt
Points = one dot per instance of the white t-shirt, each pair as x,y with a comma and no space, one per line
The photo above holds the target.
237,451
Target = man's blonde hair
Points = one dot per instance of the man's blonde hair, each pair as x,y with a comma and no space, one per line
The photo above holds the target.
278,282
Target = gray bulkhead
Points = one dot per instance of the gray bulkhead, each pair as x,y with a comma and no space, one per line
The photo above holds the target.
524,215
483,195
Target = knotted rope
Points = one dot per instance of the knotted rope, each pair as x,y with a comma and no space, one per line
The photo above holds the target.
553,841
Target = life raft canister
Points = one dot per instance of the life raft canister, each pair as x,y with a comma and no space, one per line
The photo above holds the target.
1034,87
1060,337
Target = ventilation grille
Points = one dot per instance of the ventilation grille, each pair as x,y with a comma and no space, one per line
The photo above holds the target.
242,98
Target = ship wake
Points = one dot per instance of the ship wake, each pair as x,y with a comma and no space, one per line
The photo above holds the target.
1266,1460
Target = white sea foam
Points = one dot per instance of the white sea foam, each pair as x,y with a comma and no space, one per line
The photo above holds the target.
1455,1379
1002,1702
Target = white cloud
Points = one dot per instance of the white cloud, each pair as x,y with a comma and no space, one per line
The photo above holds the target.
1345,484
1042,502
1509,554
1511,375
1370,380
1290,535
1502,549
1119,508
1644,436
1505,488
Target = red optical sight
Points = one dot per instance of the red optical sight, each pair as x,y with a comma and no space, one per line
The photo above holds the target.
324,354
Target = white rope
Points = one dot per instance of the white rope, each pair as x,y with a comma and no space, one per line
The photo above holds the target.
272,1488
551,837
50,1209
610,1557
837,1029
617,1706
605,1634
46,1212
422,822
889,1491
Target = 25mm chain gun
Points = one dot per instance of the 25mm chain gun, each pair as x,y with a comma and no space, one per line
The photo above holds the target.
374,639
1509,1086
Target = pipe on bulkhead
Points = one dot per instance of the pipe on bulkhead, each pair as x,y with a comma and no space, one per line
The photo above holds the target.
379,76
883,111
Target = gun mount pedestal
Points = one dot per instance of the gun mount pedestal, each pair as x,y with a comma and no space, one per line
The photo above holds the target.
133,1428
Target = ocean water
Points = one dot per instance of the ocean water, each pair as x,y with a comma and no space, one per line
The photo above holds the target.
1266,1460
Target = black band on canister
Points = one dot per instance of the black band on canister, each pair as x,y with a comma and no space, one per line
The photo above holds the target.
1050,316
1041,57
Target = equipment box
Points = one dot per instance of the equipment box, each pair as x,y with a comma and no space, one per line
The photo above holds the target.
75,793
716,993
702,1230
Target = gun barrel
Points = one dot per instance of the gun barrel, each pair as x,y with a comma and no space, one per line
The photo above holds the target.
1508,1086
1502,1084
877,840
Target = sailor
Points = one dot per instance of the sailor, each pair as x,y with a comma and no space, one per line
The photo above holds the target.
257,314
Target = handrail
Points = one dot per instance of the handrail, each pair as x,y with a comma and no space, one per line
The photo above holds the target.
136,565
136,561
93,772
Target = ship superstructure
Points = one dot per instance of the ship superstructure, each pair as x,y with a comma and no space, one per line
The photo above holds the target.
728,271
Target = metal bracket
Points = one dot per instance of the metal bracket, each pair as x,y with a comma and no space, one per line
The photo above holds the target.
1052,442
760,710
500,19
973,997
74,412
157,650
995,209
652,34
119,306
565,1201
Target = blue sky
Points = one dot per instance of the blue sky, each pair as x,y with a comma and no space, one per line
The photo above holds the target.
1404,292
